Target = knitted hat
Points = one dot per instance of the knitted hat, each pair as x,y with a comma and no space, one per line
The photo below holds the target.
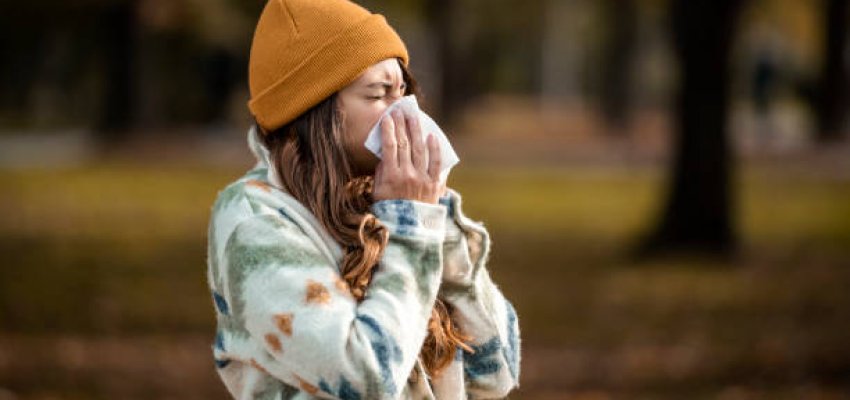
305,50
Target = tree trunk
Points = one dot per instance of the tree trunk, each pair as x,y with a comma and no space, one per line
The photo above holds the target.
615,95
697,216
119,30
455,57
832,104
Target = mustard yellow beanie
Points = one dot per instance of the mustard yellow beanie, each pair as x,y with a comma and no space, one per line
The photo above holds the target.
305,50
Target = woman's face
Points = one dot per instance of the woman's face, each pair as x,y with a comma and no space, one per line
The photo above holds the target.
362,102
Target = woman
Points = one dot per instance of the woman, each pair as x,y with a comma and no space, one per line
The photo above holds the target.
335,274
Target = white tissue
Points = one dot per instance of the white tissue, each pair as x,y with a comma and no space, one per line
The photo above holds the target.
409,106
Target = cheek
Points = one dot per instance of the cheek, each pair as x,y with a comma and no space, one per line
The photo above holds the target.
361,121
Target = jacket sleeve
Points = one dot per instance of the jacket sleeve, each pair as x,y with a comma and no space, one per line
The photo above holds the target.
479,307
309,331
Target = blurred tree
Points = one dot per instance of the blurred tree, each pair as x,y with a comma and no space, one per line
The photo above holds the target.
832,99
117,65
617,61
250,8
453,66
17,73
484,45
42,61
697,214
117,27
463,51
220,73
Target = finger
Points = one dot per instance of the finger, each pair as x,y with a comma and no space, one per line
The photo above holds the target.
418,147
435,158
388,143
402,141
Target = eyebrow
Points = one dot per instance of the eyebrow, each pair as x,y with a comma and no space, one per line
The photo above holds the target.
385,85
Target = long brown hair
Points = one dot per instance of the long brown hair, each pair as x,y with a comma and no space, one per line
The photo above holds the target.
315,169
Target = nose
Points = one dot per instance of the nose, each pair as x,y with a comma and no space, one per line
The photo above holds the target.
397,93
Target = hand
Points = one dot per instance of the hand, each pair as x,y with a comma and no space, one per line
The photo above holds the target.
409,168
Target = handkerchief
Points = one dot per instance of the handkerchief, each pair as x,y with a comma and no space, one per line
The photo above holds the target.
409,106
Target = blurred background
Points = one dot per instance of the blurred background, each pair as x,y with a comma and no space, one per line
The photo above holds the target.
666,183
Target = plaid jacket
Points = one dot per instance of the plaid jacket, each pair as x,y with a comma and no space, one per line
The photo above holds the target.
288,327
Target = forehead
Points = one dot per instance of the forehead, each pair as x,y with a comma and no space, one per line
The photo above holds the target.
386,70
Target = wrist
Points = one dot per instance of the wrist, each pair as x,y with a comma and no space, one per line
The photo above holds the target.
406,217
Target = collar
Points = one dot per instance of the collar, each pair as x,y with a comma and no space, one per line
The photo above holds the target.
297,211
261,153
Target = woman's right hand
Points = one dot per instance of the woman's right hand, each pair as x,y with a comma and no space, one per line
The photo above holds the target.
409,167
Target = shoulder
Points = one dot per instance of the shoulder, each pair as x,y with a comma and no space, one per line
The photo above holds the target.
250,203
250,194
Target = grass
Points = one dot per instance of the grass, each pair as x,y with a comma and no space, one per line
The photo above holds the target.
103,290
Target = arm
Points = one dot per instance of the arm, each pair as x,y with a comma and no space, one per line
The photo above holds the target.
480,308
310,332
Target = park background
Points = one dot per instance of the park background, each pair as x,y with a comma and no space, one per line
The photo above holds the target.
666,183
